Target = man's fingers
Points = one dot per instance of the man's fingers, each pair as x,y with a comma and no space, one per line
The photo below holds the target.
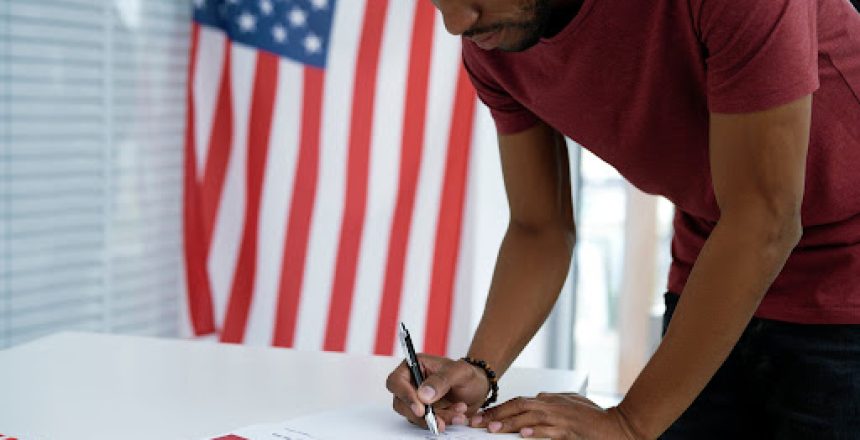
461,414
459,419
542,432
447,415
444,411
523,420
406,411
460,407
399,383
508,409
563,397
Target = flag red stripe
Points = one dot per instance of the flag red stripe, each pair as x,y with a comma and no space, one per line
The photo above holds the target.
220,144
259,129
301,209
197,279
449,225
358,164
410,164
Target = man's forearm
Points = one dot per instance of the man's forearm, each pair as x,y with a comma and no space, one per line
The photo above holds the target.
530,271
734,270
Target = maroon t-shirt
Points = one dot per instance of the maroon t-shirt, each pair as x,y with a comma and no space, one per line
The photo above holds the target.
634,81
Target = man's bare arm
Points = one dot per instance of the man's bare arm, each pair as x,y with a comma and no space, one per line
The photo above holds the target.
534,257
758,163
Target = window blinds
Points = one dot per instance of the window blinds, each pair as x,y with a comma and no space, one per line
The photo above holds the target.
92,110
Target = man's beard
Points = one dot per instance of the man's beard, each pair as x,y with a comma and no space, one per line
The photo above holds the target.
532,30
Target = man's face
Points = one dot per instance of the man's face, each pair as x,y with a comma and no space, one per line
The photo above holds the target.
508,25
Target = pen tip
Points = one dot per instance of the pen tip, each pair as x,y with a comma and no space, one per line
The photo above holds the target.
430,418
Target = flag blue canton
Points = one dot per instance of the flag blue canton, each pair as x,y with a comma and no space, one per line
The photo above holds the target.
296,29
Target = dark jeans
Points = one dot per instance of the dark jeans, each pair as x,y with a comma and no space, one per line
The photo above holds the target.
781,381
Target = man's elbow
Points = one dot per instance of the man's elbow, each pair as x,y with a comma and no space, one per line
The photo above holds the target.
783,215
557,231
775,224
788,232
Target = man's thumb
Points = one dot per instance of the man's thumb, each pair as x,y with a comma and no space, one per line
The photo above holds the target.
439,383
427,392
434,387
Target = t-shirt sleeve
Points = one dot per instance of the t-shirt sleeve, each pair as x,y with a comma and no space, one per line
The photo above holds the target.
509,115
759,53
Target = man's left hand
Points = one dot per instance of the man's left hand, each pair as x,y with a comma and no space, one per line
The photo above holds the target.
564,416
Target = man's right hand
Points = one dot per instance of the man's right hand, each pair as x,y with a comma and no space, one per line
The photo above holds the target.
456,389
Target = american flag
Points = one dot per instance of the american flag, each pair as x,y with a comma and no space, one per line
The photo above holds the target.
327,157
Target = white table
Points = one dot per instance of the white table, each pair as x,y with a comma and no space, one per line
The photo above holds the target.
96,386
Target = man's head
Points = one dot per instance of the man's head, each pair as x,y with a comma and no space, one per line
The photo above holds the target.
509,25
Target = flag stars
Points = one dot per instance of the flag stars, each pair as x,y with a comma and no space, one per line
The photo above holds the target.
319,4
297,17
313,43
247,22
279,33
266,7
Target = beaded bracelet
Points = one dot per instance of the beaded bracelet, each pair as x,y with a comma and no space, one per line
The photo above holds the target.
491,376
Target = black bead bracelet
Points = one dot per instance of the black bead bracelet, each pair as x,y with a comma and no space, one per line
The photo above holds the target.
491,376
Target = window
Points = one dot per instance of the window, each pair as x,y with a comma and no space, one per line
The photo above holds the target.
92,115
603,237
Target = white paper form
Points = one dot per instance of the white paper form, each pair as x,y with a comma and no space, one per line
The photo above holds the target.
358,423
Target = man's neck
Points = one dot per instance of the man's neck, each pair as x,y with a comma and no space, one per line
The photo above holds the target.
562,12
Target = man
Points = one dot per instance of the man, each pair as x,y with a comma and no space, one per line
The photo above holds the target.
746,115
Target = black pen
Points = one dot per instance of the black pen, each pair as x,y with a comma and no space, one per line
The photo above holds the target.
417,377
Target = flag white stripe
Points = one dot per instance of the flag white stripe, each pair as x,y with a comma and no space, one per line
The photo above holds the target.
278,180
422,236
384,170
206,83
227,233
328,208
462,325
